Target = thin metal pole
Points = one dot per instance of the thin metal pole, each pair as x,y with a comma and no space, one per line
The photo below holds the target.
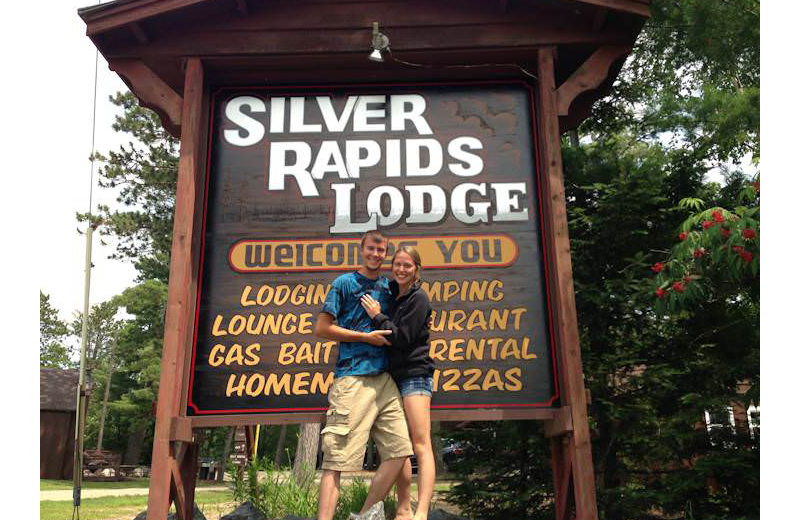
255,444
77,469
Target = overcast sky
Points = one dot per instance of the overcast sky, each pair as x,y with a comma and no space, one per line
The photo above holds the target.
64,161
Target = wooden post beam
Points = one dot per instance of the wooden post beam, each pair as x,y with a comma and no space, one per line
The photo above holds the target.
560,424
639,7
180,429
589,75
152,92
579,452
171,468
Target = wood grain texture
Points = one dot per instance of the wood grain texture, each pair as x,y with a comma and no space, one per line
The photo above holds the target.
568,344
629,6
590,75
179,299
152,91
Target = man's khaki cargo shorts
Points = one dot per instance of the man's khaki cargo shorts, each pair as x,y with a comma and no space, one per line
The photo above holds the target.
359,405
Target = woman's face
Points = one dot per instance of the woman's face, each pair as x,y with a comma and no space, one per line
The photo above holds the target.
403,268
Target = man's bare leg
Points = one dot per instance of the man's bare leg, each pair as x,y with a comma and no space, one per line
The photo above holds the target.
328,494
404,511
382,481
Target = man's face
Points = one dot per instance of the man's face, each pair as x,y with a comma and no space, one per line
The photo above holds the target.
373,253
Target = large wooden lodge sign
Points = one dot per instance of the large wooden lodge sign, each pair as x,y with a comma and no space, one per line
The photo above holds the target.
297,175
292,143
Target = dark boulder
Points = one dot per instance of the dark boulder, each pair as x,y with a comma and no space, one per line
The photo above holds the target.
246,511
197,515
438,514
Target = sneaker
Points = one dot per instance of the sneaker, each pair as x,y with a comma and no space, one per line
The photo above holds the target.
373,513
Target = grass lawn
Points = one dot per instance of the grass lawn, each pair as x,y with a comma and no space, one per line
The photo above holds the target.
51,485
213,504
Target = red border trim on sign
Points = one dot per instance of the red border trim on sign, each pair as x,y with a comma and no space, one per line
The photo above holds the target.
542,234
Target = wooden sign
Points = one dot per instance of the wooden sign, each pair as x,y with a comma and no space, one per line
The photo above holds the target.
296,175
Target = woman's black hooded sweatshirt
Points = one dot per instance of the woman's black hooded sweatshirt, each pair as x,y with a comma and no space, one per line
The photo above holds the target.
407,318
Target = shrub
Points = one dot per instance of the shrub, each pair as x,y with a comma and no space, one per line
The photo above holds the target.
276,495
353,496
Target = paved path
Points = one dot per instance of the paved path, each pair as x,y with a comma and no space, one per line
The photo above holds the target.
66,494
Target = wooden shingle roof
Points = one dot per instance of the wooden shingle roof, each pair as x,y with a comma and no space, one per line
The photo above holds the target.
57,389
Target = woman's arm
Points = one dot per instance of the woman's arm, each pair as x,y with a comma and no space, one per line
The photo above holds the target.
406,326
326,328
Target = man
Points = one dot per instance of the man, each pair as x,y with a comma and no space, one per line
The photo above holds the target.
363,397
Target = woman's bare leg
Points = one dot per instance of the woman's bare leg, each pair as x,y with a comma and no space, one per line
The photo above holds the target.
418,416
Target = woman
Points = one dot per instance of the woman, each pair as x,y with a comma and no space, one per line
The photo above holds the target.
412,369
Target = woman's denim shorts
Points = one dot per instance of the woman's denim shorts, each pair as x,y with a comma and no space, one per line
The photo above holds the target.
416,385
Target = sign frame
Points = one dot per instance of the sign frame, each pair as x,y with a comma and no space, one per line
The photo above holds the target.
174,449
443,412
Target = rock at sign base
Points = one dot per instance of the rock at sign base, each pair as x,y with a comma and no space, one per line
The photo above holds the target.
439,514
196,515
246,511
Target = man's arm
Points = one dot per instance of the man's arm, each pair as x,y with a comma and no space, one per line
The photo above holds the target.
326,328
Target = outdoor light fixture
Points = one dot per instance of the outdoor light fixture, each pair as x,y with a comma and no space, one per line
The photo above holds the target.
380,43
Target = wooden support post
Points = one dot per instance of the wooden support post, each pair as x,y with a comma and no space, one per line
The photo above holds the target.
174,463
572,464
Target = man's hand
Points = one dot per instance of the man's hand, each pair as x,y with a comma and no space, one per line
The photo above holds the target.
370,305
377,338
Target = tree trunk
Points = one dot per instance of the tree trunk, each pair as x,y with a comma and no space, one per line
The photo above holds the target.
305,460
279,449
226,452
135,441
103,411
574,139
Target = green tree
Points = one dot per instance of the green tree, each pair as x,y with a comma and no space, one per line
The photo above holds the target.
651,379
145,172
54,352
139,364
101,329
718,249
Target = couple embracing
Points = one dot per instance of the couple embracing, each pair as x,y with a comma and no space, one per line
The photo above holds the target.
383,379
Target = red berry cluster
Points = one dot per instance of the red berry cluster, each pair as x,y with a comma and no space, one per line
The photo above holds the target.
744,254
678,286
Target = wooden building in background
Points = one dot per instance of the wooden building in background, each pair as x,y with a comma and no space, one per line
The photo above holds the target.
57,395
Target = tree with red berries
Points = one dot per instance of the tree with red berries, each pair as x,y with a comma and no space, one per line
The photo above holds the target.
715,246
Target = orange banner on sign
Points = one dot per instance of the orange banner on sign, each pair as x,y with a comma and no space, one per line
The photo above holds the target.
437,252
